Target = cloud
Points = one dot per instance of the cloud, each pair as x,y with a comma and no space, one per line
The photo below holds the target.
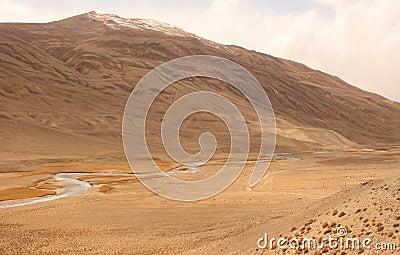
13,10
19,11
358,41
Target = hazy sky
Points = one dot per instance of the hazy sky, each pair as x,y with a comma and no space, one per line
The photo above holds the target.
359,41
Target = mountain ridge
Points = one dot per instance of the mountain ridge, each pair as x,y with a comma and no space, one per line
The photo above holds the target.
106,63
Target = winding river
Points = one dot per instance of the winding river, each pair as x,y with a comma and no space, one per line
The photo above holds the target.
72,186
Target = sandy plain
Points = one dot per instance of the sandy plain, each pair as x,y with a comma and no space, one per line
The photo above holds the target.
118,215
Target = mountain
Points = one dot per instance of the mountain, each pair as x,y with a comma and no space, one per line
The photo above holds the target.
64,85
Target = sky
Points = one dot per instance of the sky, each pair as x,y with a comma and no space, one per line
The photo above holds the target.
357,40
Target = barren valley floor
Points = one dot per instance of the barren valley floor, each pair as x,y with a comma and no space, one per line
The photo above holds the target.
118,215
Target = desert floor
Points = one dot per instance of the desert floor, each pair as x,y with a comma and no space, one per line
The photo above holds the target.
310,197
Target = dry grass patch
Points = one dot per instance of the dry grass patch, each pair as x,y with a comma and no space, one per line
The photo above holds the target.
23,192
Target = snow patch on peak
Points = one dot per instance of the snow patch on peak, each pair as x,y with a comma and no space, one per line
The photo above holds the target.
117,22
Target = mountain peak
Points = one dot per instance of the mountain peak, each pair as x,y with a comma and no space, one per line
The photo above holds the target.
116,22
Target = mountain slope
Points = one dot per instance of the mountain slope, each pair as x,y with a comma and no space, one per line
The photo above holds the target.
46,106
73,76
